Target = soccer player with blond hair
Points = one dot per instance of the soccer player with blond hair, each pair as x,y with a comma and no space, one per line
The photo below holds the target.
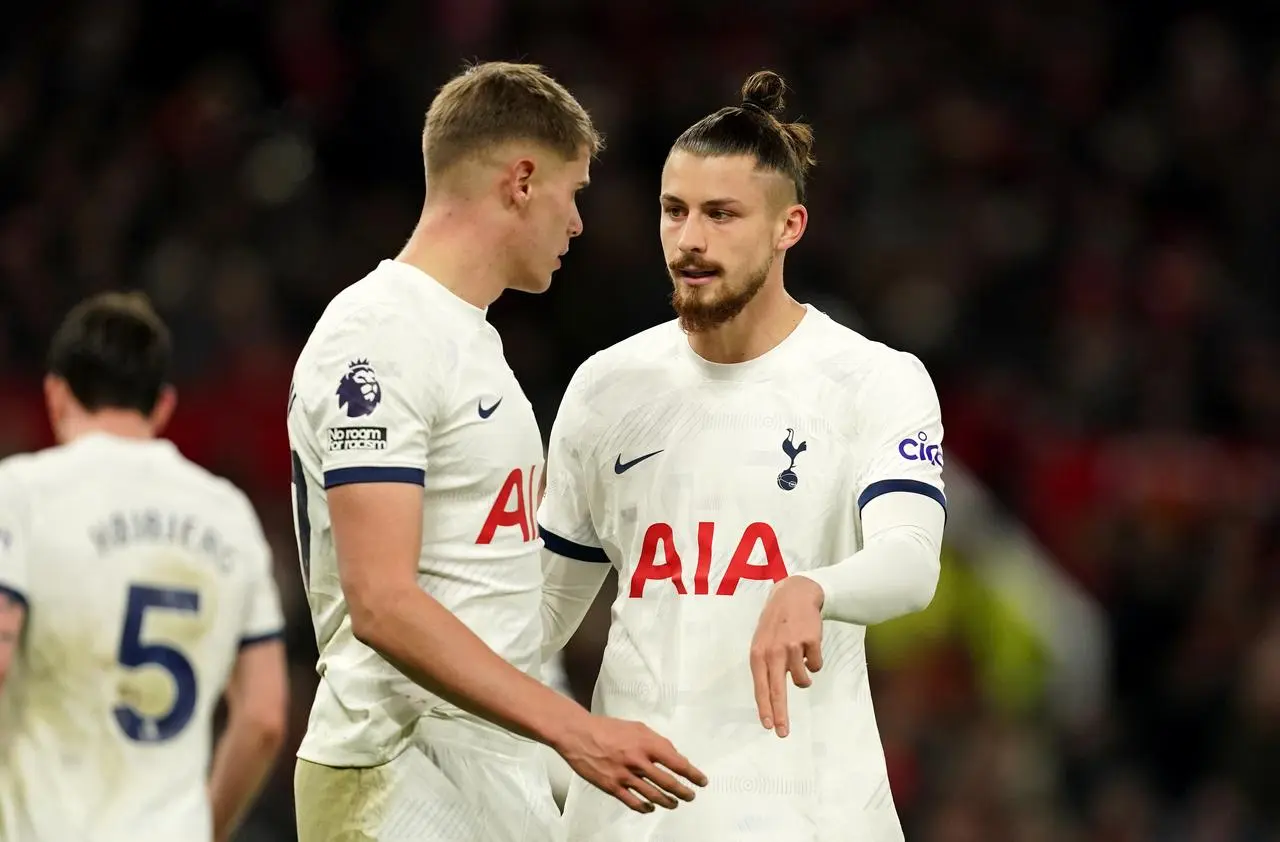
417,462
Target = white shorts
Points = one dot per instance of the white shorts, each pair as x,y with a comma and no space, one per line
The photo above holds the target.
458,782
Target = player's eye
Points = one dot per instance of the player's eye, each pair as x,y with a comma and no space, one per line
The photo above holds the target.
674,212
720,215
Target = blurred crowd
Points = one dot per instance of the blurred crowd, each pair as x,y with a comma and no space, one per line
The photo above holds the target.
1068,210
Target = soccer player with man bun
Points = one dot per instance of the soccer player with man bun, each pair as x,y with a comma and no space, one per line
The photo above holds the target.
767,483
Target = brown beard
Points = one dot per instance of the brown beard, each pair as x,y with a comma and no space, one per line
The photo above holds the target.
697,316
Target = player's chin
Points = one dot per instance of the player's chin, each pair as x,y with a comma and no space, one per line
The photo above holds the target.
704,294
535,283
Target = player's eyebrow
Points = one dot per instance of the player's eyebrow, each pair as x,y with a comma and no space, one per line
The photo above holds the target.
670,199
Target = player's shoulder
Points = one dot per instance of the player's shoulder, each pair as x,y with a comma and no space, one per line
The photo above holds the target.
651,351
385,323
858,362
613,379
393,303
27,480
376,300
89,458
217,487
14,469
55,465
214,496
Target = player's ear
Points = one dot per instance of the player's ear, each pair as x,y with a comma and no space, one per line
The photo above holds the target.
519,180
162,412
795,220
57,400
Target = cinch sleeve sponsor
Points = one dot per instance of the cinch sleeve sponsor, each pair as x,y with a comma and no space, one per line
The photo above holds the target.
901,427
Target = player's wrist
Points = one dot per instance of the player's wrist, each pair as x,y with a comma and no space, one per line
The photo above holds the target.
565,729
560,721
812,585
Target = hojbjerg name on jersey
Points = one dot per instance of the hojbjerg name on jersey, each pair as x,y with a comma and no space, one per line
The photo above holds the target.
122,529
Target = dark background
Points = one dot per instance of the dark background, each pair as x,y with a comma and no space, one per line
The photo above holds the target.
1068,210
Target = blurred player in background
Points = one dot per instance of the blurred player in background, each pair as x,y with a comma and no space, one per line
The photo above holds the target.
712,458
135,590
417,463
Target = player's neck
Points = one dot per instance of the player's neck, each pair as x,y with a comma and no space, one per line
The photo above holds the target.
768,319
119,423
454,249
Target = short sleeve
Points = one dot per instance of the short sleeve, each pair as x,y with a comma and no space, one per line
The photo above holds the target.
263,618
564,517
14,529
900,432
372,400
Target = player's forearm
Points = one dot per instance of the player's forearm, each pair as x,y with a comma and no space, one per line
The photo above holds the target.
244,756
13,615
436,650
569,588
888,579
896,572
6,658
8,646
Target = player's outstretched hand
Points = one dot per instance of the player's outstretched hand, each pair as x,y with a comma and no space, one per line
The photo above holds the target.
635,765
788,639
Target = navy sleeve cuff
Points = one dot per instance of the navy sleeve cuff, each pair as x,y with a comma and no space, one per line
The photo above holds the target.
351,476
255,639
15,595
911,486
571,549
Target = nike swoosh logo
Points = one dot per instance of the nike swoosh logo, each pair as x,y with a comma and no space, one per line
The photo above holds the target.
485,413
620,467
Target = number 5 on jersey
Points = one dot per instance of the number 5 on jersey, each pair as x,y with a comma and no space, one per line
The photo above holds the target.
136,654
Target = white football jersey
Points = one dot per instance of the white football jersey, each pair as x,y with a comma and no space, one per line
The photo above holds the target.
402,381
143,577
703,484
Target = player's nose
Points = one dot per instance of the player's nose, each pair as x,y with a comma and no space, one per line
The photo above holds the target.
575,223
691,238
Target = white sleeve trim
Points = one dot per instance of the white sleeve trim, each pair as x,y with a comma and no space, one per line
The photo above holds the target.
568,589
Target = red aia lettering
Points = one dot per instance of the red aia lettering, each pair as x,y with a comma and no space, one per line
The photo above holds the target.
510,507
646,569
653,566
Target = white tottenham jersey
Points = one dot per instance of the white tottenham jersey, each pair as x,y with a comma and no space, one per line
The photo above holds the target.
703,484
143,577
402,381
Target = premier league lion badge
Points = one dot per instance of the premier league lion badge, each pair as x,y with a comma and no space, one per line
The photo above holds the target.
359,393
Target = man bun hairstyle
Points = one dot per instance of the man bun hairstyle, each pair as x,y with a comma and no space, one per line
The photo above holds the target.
757,127
765,91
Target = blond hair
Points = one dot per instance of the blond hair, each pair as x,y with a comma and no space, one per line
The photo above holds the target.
497,102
